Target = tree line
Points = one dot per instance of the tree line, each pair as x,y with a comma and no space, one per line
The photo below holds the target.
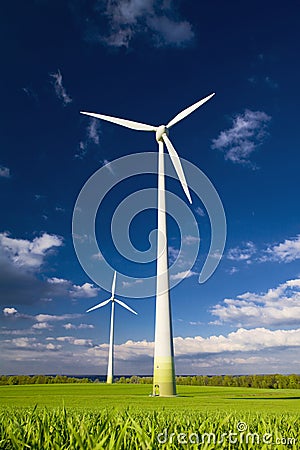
40,379
276,381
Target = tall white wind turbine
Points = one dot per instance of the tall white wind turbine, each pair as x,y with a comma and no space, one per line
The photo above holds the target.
112,299
164,371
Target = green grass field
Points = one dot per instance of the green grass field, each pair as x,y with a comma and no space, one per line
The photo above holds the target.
196,398
98,416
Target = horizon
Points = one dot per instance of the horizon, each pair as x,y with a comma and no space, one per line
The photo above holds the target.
117,376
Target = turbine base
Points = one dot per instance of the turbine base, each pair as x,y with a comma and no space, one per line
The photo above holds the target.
164,384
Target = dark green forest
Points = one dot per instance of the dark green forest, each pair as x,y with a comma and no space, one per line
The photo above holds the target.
275,381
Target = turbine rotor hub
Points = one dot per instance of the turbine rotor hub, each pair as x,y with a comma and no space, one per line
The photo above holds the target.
160,131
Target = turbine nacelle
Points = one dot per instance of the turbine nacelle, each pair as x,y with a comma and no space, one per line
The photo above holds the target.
112,299
161,130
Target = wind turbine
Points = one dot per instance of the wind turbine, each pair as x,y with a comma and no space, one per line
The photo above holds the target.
112,299
164,383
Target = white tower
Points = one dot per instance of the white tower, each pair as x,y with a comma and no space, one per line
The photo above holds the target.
164,383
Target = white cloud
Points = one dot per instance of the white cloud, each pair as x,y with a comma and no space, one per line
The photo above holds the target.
128,19
242,340
92,136
173,253
277,307
127,351
87,290
108,166
42,326
10,311
40,245
286,252
170,32
93,130
69,326
183,275
98,256
184,258
60,91
65,338
233,270
82,326
243,253
200,211
25,343
55,280
54,318
244,137
41,320
28,254
190,240
83,342
127,284
4,172
51,346
75,341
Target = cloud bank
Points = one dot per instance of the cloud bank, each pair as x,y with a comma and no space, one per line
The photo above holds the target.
21,265
257,350
279,306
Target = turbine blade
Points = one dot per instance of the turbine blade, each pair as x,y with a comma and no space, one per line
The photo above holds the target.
189,110
125,306
113,286
123,122
177,165
99,305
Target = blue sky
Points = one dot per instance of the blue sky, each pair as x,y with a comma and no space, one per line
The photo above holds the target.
146,60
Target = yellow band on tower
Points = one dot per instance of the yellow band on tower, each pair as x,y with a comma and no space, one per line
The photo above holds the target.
164,383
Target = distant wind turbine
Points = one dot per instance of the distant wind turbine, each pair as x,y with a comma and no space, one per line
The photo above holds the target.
112,299
164,383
